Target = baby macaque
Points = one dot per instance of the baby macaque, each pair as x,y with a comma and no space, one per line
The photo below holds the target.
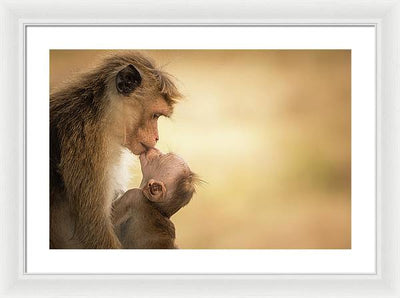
142,215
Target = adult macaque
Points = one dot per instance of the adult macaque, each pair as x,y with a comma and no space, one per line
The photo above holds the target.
93,120
142,215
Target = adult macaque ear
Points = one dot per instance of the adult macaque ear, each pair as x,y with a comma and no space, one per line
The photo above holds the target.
128,79
155,191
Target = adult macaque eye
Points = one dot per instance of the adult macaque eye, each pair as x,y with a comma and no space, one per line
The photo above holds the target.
156,116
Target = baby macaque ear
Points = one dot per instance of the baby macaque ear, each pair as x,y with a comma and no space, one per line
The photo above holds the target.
155,191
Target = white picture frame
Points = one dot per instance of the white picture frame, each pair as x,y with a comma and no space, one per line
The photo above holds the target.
16,15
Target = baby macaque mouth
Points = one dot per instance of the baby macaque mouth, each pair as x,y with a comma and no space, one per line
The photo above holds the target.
149,155
152,152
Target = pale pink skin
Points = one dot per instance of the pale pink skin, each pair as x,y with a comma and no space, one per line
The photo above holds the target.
163,168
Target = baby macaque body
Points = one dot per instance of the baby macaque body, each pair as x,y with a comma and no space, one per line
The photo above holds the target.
142,215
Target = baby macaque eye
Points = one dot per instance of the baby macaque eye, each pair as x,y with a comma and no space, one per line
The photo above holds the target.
155,188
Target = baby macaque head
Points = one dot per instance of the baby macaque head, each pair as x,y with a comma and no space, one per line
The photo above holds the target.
167,180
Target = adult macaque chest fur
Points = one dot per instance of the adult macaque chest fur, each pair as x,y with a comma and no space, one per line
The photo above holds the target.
142,215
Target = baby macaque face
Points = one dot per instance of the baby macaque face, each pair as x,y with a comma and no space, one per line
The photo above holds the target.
167,180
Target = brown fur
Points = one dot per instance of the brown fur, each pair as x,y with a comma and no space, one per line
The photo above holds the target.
142,216
89,124
141,223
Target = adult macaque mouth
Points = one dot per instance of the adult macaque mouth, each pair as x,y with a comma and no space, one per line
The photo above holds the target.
145,147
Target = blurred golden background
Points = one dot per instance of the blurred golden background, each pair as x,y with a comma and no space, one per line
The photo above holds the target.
270,133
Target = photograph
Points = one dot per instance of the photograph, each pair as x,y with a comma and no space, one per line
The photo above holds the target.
200,149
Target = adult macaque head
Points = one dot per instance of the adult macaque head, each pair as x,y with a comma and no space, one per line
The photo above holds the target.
142,104
167,180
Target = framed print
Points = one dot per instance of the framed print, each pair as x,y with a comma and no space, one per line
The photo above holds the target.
291,126
347,52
